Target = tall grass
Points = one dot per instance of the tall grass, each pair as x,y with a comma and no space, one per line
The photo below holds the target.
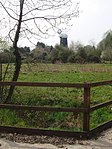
60,97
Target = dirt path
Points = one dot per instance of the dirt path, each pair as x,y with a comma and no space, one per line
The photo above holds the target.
104,141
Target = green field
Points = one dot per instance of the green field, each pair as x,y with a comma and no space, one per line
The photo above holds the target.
59,97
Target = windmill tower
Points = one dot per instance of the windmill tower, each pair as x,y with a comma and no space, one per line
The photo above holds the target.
63,38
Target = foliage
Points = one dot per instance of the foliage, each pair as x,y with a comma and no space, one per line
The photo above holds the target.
100,116
7,57
8,117
107,55
40,45
75,53
106,47
61,54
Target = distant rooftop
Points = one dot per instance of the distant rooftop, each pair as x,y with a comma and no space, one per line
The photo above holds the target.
63,35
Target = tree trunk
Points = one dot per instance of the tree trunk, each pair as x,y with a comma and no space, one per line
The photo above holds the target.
16,53
15,76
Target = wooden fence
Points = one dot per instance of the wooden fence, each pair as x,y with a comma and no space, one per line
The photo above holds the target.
86,110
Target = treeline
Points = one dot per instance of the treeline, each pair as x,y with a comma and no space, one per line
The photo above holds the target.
75,53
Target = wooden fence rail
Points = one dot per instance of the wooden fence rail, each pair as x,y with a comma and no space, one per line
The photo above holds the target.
86,110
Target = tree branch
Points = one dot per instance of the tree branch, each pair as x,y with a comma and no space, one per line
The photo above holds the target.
8,12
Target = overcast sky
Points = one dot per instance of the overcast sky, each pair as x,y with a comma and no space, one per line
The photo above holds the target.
94,20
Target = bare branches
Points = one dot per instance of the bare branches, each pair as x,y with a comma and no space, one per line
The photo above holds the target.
39,17
7,11
50,9
32,19
19,25
51,13
10,31
44,7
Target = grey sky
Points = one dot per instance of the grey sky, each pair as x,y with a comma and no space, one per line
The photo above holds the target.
94,20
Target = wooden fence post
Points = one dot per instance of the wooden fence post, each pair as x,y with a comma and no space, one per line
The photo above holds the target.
86,118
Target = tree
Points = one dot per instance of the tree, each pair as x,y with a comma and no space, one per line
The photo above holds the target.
93,54
6,56
63,53
108,39
3,45
105,46
38,54
107,55
81,55
40,45
32,19
106,42
75,46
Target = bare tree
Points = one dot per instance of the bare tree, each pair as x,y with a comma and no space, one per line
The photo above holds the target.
33,19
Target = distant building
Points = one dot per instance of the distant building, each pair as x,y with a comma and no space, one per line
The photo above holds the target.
63,40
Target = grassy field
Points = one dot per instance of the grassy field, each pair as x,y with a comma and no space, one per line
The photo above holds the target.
60,97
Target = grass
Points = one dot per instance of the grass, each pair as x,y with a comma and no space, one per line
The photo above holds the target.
60,97
66,72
